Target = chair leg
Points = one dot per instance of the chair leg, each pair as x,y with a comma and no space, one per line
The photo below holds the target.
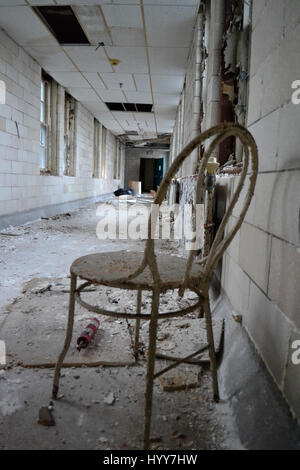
150,368
212,353
137,324
67,339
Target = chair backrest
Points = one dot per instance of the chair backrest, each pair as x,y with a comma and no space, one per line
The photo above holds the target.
216,135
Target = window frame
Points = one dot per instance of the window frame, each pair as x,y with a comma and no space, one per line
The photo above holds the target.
70,107
45,123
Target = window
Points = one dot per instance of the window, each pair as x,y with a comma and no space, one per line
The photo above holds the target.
69,135
97,149
103,152
117,160
48,125
44,129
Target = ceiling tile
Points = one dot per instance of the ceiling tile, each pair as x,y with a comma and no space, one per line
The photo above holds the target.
24,27
170,60
167,83
165,110
137,97
94,80
92,23
123,16
126,119
128,37
70,79
84,94
51,58
142,82
142,117
113,81
9,3
166,99
132,59
93,103
125,23
113,96
184,3
169,26
88,59
91,2
41,2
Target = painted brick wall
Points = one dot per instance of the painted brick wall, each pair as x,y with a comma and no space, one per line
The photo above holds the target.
21,185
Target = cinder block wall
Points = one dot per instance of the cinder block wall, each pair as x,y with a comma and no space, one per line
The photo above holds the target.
261,269
22,187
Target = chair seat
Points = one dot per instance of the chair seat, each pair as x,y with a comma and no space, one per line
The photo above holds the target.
107,268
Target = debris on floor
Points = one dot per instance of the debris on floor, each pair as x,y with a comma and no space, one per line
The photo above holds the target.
45,417
33,324
109,399
180,378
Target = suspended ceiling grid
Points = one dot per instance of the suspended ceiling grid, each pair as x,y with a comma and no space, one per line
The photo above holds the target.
150,38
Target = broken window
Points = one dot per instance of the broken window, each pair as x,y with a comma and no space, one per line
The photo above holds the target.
69,135
117,160
44,127
97,149
48,125
103,152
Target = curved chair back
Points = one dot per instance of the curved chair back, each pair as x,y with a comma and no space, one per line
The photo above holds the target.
216,135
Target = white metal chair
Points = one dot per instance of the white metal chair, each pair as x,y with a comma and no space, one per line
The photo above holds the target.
161,273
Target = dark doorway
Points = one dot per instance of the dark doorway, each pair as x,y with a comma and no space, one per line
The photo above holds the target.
151,173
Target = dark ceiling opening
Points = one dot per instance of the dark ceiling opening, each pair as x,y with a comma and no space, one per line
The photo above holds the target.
62,23
130,107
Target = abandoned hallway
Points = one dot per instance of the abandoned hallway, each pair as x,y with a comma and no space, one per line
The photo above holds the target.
38,286
102,96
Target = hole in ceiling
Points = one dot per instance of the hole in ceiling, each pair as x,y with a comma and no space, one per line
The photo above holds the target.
130,107
63,24
144,107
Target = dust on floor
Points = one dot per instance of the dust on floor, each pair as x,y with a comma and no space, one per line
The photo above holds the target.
85,418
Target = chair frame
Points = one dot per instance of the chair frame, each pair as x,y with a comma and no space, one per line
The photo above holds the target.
216,135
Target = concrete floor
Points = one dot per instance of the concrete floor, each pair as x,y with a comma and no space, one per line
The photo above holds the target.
181,420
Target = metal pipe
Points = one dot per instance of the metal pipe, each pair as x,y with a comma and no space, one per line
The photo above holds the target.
215,35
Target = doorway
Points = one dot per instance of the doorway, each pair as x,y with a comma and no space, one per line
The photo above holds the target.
151,173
